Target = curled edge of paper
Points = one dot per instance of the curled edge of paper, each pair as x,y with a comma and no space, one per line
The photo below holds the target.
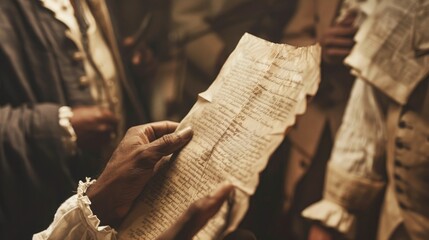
301,107
205,96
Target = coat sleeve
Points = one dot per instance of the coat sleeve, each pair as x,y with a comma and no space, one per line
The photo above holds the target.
355,175
30,133
35,173
27,130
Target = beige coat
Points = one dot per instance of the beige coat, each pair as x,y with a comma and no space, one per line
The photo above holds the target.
358,171
407,192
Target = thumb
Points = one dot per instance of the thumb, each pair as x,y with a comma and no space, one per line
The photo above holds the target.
165,145
172,142
197,215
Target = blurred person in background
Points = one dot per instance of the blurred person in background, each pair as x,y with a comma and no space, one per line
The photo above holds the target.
295,174
382,146
142,28
65,101
206,32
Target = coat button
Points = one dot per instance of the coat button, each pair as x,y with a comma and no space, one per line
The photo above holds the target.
402,124
399,190
398,163
397,177
402,205
303,164
399,144
84,81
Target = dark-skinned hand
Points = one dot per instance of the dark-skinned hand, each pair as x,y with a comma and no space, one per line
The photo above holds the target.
93,126
337,42
197,215
141,57
131,166
317,232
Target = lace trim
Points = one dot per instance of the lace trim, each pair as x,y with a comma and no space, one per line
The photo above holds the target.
84,204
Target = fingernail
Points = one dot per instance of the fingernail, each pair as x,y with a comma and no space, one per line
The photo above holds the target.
185,133
223,190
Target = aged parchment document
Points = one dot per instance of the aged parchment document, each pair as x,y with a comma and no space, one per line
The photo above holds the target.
388,53
238,123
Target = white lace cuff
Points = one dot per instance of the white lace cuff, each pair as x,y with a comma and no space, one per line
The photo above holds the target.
74,220
333,216
345,193
69,136
84,205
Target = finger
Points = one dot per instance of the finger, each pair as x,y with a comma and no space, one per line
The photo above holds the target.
339,42
152,131
172,142
197,215
152,152
162,128
338,52
342,31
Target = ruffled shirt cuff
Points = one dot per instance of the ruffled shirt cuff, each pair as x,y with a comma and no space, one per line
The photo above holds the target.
333,216
75,220
345,194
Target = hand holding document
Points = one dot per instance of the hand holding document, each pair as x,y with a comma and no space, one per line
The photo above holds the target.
238,123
